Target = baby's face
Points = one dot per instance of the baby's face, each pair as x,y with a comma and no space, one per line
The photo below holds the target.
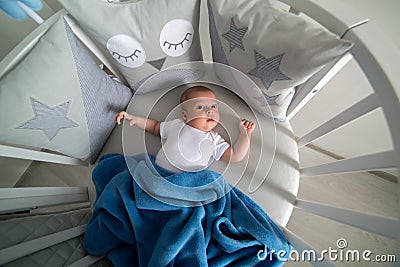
201,111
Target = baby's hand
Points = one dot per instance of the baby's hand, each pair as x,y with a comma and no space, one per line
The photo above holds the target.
125,115
246,127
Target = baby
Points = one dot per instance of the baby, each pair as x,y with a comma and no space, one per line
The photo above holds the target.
190,144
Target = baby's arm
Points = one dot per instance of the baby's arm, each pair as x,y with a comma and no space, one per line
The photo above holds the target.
238,151
149,125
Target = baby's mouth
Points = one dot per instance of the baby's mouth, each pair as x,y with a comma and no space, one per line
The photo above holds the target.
210,120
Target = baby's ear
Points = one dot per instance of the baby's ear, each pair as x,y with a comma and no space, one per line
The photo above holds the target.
184,115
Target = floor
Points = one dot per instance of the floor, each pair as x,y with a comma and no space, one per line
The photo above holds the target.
363,192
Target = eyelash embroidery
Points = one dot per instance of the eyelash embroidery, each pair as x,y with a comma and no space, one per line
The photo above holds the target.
178,44
126,57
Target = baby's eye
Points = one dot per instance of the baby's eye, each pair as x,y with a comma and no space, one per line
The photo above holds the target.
200,107
214,106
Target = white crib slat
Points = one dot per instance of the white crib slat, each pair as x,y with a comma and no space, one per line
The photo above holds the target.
22,153
386,226
29,247
314,84
359,109
86,261
304,249
378,161
21,192
15,199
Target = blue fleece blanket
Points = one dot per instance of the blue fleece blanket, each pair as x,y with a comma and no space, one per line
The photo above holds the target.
147,216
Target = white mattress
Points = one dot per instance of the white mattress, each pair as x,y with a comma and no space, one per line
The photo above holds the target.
273,160
273,156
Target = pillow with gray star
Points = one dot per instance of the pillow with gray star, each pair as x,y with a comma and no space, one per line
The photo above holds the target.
57,98
278,50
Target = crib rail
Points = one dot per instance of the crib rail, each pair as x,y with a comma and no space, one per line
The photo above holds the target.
378,64
86,261
28,154
356,111
334,15
29,247
42,205
378,161
26,198
15,200
385,226
381,70
306,91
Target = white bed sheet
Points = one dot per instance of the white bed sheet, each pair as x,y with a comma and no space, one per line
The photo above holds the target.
272,163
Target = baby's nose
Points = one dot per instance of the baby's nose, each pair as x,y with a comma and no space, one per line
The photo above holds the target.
210,111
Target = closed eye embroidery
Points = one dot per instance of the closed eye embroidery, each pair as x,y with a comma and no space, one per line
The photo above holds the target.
178,44
131,56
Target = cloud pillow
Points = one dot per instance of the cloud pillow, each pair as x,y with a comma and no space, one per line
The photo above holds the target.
141,37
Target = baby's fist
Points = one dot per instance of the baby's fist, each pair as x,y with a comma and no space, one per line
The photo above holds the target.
120,116
246,126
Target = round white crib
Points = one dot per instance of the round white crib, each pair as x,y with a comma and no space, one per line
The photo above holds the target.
315,220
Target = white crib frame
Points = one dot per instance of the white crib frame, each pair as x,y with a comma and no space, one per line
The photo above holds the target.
376,63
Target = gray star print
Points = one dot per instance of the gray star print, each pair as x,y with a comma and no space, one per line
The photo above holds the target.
49,120
235,36
268,69
267,100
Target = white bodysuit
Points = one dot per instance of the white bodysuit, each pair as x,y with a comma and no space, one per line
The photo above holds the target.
185,148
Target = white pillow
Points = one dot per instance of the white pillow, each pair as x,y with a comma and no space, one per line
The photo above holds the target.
276,49
59,99
141,37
